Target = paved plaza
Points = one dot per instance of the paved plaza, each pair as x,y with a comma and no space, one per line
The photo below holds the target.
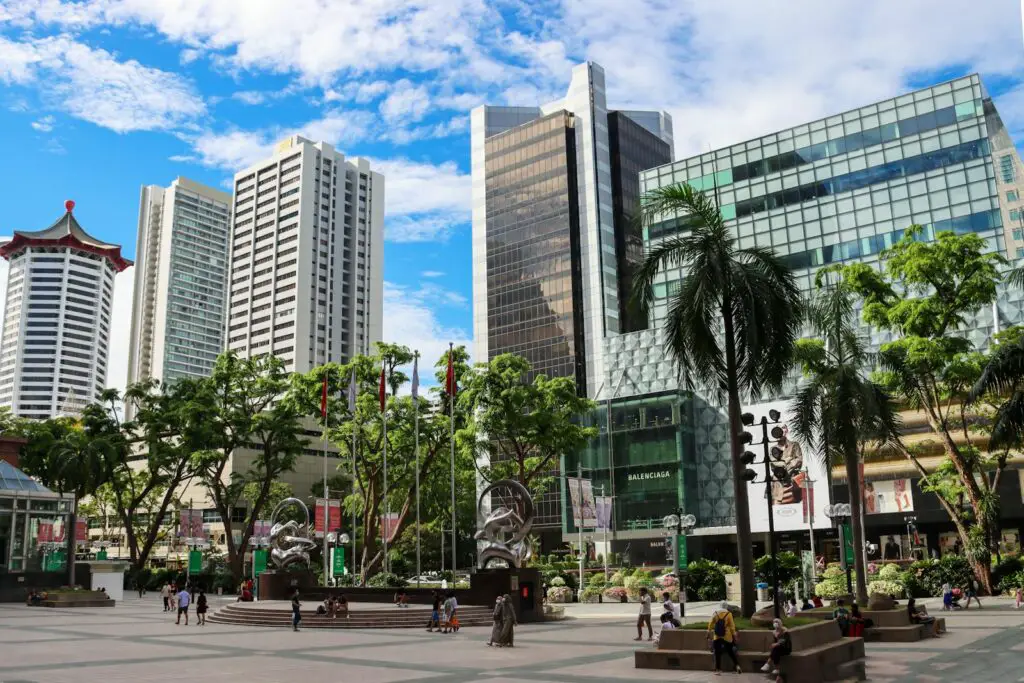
136,641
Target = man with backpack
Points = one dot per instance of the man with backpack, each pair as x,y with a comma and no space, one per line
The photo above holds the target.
842,617
722,637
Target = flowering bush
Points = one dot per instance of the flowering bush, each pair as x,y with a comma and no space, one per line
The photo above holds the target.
590,595
889,572
615,594
872,568
636,582
617,579
668,581
893,589
557,582
596,581
559,594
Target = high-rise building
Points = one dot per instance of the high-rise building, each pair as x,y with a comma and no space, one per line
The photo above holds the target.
554,188
838,189
60,289
181,267
306,278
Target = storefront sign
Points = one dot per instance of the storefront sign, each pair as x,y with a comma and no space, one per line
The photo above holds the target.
654,474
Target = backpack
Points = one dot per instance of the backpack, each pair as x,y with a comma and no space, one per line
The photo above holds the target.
719,627
842,618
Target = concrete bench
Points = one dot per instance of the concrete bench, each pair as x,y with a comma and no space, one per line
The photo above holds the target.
890,626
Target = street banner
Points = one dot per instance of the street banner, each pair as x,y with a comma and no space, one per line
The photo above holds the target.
584,508
191,525
195,561
604,512
261,528
334,523
681,555
82,529
799,483
338,560
259,559
389,525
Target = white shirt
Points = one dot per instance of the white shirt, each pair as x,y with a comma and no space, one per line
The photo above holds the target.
165,591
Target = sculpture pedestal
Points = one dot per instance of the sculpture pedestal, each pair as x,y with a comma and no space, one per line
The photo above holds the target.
522,585
279,585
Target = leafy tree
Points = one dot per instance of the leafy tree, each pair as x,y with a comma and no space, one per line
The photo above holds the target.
838,404
252,435
923,295
521,429
731,327
67,459
371,498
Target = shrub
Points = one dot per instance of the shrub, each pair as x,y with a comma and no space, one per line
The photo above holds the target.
912,585
618,579
893,589
557,582
1009,567
788,567
832,584
889,572
1011,582
705,580
668,581
560,594
636,582
628,571
386,580
951,569
615,594
590,595
596,581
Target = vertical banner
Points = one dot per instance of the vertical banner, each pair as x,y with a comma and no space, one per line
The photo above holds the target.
82,529
191,525
259,561
195,561
338,560
334,521
584,510
681,556
603,505
388,525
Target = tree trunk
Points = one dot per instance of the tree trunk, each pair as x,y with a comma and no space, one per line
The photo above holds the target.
71,541
743,541
856,501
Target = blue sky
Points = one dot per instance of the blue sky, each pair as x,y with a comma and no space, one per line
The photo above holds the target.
99,97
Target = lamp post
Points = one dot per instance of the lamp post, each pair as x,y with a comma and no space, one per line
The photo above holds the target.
838,513
808,486
771,454
679,523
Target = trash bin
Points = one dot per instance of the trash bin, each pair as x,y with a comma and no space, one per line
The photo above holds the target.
762,592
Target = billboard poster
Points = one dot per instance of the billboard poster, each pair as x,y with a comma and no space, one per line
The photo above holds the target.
882,497
334,523
583,505
603,504
191,525
1010,542
799,491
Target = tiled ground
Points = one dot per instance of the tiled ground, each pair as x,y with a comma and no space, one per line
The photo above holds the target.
136,641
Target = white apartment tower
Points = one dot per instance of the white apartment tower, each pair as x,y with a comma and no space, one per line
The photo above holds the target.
54,345
307,262
181,269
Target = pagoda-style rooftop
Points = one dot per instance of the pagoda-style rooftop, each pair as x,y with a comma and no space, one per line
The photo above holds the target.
65,232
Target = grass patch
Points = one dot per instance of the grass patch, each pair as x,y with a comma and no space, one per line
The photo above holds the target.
744,624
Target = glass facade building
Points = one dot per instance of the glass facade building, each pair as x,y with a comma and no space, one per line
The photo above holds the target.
839,189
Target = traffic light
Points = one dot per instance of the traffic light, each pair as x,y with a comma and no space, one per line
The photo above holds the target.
747,419
776,453
747,459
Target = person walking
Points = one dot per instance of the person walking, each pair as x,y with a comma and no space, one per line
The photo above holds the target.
972,594
165,593
496,618
644,616
435,614
296,606
183,602
723,637
508,622
1018,597
201,608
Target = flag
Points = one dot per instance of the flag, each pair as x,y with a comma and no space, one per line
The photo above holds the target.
323,399
352,393
450,387
383,391
416,378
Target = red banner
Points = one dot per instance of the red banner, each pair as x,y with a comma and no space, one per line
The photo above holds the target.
82,529
388,526
334,524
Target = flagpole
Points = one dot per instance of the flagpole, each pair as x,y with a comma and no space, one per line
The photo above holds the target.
451,435
387,504
327,507
416,429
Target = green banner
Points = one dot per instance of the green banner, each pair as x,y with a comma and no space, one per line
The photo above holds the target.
681,557
195,561
101,554
54,562
259,558
338,563
848,543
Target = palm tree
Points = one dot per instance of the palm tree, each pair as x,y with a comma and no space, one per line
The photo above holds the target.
839,405
731,327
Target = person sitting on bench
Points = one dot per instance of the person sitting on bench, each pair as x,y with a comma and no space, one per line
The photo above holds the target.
782,645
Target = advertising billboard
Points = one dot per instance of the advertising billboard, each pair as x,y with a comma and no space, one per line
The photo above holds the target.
799,490
887,496
581,491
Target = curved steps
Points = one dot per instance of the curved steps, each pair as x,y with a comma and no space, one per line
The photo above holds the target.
377,618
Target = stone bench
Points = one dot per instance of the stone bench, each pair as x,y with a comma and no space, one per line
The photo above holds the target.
78,599
820,653
890,626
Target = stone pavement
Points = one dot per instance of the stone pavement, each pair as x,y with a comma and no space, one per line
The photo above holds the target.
136,641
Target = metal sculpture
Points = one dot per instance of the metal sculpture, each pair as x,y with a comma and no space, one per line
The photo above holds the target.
289,541
513,522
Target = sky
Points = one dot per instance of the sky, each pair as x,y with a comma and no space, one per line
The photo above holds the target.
100,97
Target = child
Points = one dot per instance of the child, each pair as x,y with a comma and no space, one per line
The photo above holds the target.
1019,597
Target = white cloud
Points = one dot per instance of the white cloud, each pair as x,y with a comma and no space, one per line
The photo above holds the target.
422,201
405,102
410,318
249,97
93,85
432,273
45,124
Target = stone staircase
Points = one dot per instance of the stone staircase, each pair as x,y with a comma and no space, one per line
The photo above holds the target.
249,615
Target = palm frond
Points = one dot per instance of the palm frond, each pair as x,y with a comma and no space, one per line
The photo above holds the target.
1004,371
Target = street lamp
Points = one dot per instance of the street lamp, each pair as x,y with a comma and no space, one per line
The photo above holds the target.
678,524
772,454
838,513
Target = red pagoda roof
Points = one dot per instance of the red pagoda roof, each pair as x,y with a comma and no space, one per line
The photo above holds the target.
66,232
